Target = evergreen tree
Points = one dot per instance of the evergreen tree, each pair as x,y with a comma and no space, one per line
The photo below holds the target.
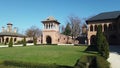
24,41
35,40
101,43
11,42
67,30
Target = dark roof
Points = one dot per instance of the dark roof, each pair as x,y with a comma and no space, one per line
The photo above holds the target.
11,34
105,16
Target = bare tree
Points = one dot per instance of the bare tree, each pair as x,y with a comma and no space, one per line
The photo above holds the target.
33,31
75,26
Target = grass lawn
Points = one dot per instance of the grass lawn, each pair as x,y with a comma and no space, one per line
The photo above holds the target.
61,55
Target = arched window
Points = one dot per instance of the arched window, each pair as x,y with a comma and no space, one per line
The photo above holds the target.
110,27
7,40
91,27
95,27
105,27
15,39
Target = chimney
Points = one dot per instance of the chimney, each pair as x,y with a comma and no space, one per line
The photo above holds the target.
9,27
3,29
15,29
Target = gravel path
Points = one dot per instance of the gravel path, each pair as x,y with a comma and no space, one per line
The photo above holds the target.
114,59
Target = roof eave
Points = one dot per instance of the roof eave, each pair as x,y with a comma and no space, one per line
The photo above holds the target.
87,21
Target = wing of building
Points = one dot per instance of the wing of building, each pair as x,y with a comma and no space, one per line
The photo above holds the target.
9,32
110,22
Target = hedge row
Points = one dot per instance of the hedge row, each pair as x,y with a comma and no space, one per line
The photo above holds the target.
32,65
92,62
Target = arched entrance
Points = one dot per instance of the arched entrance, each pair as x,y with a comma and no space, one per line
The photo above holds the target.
48,40
93,40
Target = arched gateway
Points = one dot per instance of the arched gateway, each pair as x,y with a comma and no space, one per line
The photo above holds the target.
48,40
50,31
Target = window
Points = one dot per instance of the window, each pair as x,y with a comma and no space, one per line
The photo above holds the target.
91,28
95,27
105,27
110,27
58,40
15,39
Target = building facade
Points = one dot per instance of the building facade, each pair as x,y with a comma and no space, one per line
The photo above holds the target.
110,23
9,32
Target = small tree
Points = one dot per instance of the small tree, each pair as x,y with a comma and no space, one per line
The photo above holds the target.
67,30
11,42
101,43
24,41
35,40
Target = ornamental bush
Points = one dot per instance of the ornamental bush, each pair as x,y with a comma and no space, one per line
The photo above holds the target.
91,61
24,41
101,43
11,42
35,41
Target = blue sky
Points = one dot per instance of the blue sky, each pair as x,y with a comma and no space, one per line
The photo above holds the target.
26,13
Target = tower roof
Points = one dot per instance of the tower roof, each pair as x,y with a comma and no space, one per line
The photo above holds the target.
51,19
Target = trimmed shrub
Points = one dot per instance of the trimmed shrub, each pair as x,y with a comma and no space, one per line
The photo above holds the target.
11,42
91,62
32,65
35,41
24,41
101,43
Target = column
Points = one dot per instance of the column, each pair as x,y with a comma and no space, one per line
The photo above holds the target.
50,26
88,27
53,26
88,41
93,27
44,26
102,27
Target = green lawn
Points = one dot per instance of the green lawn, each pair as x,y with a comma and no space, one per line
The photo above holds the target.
61,55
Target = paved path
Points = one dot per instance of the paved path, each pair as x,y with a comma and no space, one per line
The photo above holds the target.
15,45
114,58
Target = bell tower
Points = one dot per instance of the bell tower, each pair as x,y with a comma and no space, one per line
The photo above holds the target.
50,31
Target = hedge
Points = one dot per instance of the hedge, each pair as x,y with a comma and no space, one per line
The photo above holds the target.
32,65
88,61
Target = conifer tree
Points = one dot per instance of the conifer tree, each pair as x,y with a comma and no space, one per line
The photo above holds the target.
101,43
67,30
